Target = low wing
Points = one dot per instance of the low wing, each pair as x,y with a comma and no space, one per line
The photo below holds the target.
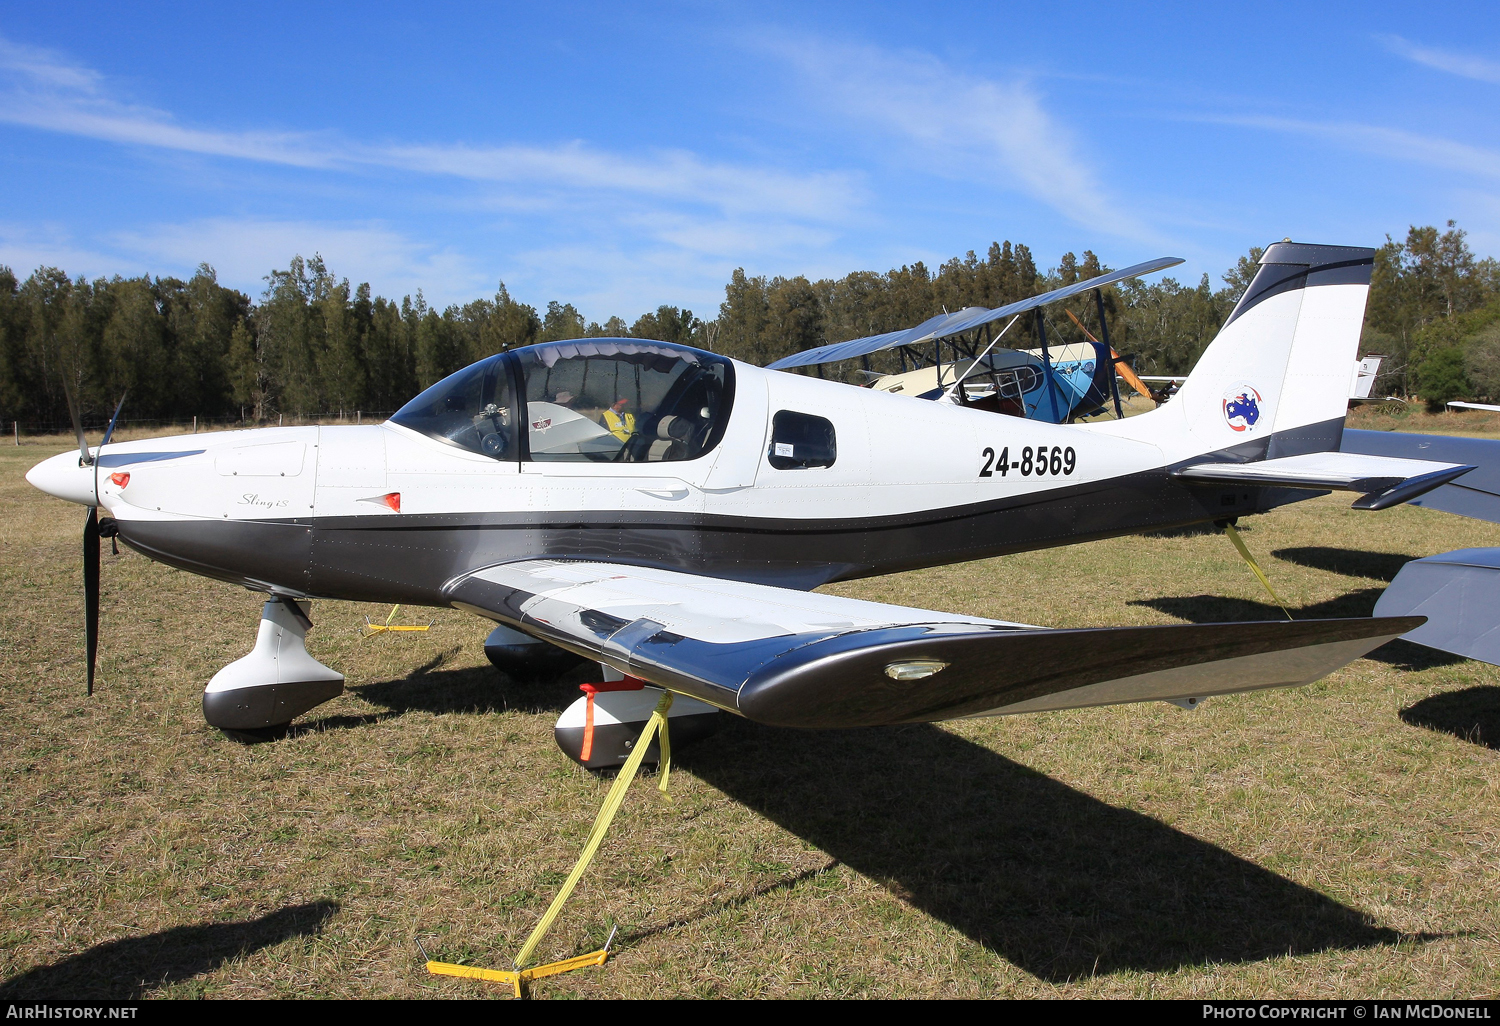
1477,495
801,659
1385,481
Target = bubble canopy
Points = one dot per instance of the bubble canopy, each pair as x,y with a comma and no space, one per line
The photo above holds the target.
472,409
601,400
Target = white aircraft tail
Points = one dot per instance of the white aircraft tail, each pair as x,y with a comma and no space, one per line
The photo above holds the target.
1275,381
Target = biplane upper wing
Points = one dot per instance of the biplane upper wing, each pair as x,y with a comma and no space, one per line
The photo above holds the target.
945,324
802,659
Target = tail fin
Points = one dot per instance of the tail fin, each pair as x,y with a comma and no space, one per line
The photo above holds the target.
1275,381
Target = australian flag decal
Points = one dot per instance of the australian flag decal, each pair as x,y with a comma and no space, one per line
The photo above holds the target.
1241,408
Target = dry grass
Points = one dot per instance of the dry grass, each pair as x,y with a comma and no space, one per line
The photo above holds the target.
1416,419
1339,839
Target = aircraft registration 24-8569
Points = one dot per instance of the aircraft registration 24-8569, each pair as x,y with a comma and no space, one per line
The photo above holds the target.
667,512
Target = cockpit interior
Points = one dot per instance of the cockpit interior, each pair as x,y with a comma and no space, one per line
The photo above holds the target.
601,400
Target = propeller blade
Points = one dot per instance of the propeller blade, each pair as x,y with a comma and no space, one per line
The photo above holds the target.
84,459
91,590
109,432
1121,367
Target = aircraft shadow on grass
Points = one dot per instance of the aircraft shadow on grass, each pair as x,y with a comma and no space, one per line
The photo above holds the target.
132,967
429,688
475,689
1403,655
721,905
1060,884
1378,566
1472,714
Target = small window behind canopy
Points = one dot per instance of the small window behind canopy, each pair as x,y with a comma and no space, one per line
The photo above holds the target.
800,441
615,400
472,409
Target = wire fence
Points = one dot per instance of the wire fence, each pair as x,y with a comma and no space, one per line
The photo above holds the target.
21,430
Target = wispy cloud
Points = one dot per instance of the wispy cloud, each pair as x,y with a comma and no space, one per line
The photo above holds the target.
44,90
1464,65
662,223
244,249
25,247
1392,143
995,131
604,279
668,174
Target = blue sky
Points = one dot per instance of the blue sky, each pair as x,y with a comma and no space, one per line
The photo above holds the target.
620,158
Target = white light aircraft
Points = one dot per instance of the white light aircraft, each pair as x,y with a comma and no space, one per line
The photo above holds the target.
667,512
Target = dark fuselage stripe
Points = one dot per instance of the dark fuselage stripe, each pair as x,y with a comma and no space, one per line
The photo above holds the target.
410,558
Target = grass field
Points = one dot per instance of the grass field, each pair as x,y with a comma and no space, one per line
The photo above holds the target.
1337,840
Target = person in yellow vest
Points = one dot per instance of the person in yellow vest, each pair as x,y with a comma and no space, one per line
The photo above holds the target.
618,422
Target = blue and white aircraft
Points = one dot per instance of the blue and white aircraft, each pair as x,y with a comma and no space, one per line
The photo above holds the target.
667,512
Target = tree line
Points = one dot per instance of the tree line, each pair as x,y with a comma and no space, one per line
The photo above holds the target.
314,345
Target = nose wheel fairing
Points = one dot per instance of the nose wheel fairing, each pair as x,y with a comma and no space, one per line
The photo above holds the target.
277,681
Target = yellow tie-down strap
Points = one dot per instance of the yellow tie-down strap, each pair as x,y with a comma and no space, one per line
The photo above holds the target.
369,630
515,979
518,977
1239,543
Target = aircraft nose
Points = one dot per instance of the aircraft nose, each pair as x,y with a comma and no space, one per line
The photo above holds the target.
63,478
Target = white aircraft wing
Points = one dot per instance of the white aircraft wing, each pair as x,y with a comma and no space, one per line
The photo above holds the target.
800,659
1384,480
1457,591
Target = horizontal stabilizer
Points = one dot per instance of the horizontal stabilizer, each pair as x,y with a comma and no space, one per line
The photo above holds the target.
802,659
1456,592
1476,495
1385,481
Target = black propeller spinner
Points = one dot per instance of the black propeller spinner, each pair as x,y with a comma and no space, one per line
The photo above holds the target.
90,537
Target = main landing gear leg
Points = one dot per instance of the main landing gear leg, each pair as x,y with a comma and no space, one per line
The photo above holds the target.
277,681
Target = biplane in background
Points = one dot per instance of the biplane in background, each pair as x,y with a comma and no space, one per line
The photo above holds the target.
1051,383
667,512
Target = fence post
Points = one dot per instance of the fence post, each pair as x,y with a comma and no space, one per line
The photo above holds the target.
17,424
195,423
356,416
278,419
